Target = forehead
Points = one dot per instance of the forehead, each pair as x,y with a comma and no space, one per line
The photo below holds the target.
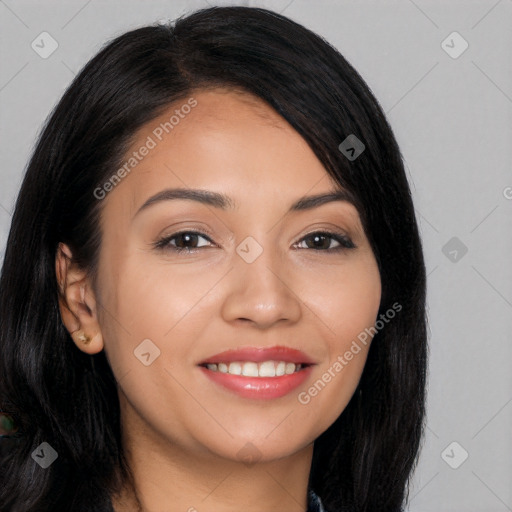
229,141
218,112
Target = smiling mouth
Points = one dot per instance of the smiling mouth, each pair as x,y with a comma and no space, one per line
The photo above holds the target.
269,368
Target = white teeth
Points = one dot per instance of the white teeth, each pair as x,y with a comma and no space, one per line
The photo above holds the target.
235,368
267,369
290,368
252,369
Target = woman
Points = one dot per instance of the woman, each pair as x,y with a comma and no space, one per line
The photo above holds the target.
213,292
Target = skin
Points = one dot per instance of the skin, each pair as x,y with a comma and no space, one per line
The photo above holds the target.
183,433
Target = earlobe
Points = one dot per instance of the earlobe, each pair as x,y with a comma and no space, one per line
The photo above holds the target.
77,303
91,344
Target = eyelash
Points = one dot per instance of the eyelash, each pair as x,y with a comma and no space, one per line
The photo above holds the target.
344,241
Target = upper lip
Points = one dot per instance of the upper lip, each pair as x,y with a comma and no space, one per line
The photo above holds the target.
258,355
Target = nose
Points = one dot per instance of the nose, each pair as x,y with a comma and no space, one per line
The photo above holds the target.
261,293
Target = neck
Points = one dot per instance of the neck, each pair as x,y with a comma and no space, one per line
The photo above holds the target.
169,477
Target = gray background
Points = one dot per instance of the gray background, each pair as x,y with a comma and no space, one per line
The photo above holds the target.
452,118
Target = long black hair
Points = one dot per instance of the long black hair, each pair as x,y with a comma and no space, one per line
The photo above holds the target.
60,395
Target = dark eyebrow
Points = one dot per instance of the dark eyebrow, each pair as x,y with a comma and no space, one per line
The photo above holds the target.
224,202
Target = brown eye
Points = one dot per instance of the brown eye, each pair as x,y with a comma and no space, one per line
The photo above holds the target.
322,241
182,241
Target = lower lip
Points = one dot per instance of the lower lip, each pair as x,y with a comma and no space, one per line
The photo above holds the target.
263,388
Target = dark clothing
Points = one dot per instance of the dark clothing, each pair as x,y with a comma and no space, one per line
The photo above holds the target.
315,503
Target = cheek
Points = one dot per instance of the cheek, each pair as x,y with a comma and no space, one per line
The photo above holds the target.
157,300
169,305
346,303
148,336
344,298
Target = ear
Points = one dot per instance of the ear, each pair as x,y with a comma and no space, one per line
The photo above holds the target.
77,302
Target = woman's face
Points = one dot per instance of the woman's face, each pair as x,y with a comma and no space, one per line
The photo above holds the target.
256,277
